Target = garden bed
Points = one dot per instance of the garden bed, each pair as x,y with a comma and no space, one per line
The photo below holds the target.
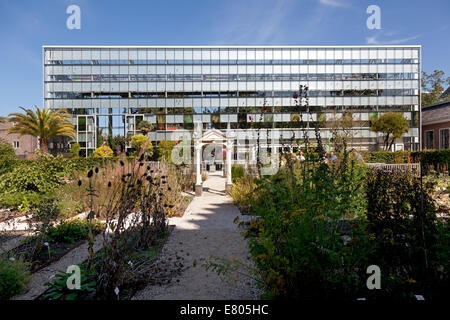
56,242
9,235
47,254
8,214
181,206
142,264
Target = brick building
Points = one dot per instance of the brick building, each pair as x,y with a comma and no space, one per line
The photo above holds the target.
436,126
24,145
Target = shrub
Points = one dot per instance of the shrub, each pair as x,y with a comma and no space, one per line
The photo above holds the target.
75,150
406,236
309,242
58,289
103,152
24,201
439,160
41,175
72,230
243,193
69,200
165,150
7,157
237,172
14,276
389,157
141,143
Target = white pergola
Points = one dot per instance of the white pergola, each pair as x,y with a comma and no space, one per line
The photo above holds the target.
216,137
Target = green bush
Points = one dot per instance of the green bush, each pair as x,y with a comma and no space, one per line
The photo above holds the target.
298,241
7,157
24,201
439,160
237,172
142,143
75,150
389,157
165,148
14,276
407,239
72,230
103,152
243,193
40,175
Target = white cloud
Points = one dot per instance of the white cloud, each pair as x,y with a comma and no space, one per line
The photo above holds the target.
375,40
252,23
371,40
397,41
334,3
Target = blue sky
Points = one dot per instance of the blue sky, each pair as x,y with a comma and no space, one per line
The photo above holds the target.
27,25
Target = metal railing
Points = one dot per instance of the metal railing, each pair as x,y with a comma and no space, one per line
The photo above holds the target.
403,167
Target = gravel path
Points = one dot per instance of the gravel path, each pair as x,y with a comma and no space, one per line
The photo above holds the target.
206,228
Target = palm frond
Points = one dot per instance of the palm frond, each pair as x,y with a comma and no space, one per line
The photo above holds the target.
42,123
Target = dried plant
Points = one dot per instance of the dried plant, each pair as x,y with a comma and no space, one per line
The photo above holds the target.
132,199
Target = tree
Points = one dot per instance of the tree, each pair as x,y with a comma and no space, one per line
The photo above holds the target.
43,124
393,125
432,87
141,143
342,129
145,127
103,152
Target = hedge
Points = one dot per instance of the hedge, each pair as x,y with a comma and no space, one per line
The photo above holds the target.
80,164
438,160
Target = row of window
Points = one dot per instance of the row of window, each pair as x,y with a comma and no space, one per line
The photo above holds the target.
199,110
260,94
246,122
443,142
231,62
234,77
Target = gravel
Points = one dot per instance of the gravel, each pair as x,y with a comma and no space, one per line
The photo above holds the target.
206,229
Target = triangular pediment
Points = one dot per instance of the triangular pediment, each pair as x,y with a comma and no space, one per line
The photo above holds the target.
213,135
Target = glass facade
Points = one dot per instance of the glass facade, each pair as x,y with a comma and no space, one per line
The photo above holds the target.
110,89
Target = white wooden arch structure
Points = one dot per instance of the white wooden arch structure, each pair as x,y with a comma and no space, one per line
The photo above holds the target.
216,137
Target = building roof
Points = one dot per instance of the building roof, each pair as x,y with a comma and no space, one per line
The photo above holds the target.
446,93
218,47
436,113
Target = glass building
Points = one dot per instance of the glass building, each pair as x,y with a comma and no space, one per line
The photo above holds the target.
110,89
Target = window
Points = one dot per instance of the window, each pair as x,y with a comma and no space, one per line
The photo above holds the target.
16,144
444,139
429,139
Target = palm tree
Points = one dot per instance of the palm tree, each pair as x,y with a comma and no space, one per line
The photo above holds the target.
43,124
